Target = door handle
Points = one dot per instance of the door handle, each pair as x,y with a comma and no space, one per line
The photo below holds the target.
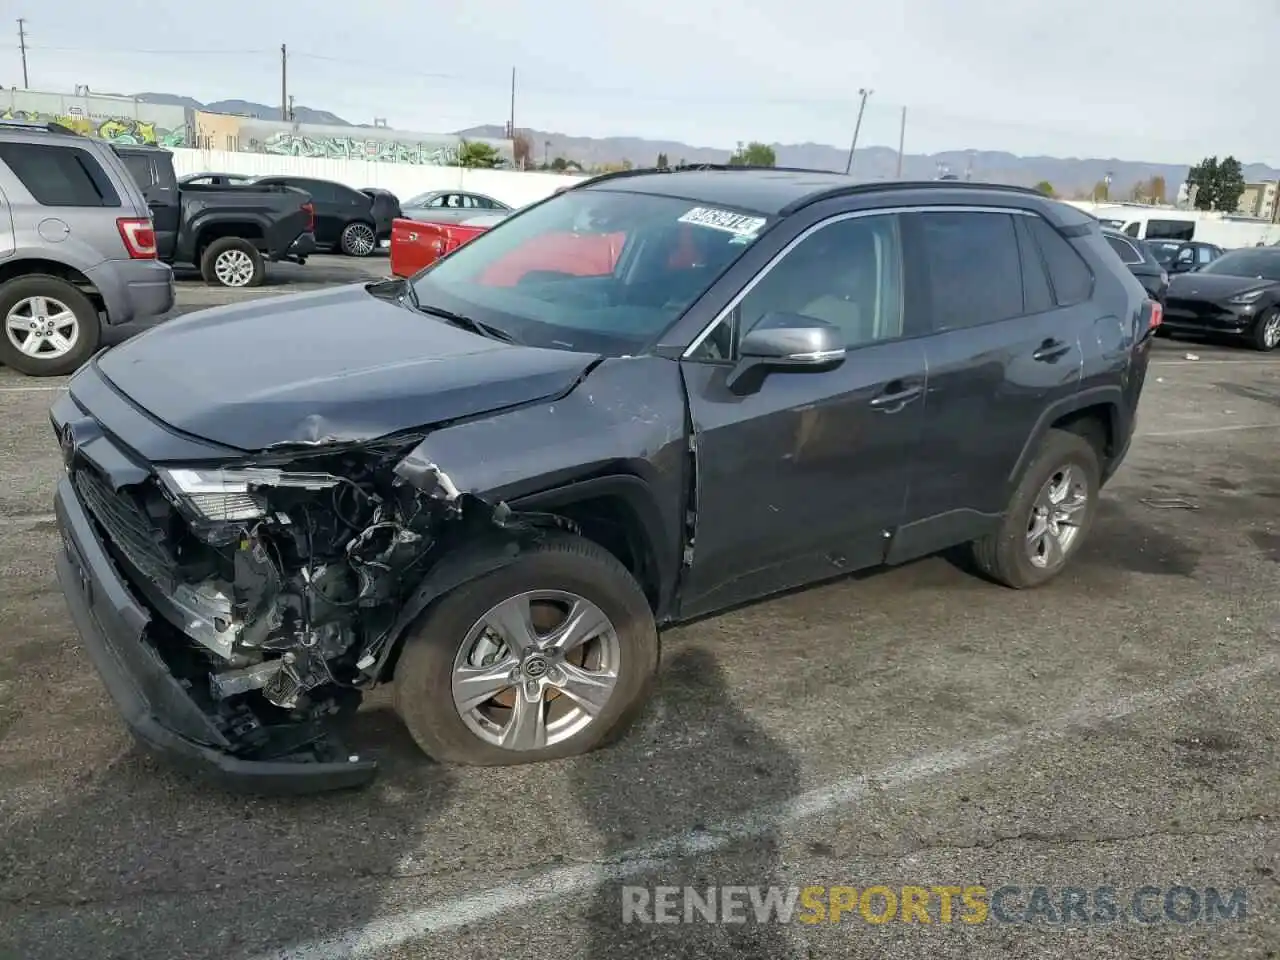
1051,350
892,402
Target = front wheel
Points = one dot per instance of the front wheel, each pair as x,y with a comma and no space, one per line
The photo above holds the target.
1266,331
357,240
1049,515
50,327
548,657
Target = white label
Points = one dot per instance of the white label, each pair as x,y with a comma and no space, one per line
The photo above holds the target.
739,224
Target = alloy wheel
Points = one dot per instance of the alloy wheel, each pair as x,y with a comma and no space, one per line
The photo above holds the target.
233,268
1271,330
359,240
42,327
1056,515
535,670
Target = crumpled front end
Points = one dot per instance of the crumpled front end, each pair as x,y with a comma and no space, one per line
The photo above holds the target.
237,612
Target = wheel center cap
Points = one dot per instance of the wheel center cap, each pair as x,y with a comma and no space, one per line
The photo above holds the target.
535,666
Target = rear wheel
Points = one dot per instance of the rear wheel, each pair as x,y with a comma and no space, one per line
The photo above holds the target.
1266,331
548,657
357,240
232,262
50,327
1049,515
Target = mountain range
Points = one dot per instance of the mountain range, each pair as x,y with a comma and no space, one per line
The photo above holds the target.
1067,175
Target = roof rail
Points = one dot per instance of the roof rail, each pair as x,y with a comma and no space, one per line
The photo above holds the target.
39,126
880,186
681,168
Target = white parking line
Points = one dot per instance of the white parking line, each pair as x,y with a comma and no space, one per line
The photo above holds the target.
1201,363
29,520
47,388
387,932
1192,431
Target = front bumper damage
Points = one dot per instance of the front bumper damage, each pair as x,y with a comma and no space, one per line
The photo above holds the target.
166,712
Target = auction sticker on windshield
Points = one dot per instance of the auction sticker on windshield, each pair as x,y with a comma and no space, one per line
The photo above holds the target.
739,224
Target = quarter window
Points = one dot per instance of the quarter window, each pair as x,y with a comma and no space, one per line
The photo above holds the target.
1068,273
847,273
975,274
1126,250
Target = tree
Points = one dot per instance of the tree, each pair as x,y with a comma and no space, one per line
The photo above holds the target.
1101,192
1216,186
662,163
1045,187
559,164
522,150
476,155
754,154
1155,189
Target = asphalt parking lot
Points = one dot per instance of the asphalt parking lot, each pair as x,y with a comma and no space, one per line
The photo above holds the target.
911,727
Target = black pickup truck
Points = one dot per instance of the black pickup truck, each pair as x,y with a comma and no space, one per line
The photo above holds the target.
229,232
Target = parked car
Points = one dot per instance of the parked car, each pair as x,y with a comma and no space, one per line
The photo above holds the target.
217,179
229,232
386,208
347,220
491,485
415,244
79,248
450,206
1183,256
1237,294
1142,263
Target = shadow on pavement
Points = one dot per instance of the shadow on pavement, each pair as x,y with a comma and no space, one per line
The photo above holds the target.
704,763
137,862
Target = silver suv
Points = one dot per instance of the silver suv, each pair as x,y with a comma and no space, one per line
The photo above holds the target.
77,247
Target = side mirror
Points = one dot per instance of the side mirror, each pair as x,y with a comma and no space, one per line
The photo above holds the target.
788,342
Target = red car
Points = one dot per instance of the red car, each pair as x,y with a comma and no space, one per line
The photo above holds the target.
416,244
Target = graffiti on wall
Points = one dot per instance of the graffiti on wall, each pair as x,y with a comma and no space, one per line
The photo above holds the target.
325,147
124,130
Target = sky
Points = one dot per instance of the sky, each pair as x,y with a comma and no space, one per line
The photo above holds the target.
1084,78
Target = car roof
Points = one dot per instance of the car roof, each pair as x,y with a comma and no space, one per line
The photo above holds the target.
767,190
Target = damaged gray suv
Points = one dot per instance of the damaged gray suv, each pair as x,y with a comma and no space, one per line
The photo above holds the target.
645,399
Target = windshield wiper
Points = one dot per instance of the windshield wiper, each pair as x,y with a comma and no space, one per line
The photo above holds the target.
461,320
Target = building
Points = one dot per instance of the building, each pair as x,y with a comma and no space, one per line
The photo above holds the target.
132,121
1260,200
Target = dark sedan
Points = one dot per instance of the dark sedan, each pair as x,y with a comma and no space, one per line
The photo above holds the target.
1183,256
1142,263
1237,294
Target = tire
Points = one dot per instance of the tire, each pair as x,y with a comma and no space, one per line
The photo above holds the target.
358,240
1005,556
73,315
424,696
1265,335
232,262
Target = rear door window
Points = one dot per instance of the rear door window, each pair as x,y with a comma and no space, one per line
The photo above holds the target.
139,167
1037,295
58,176
1069,275
974,265
1170,229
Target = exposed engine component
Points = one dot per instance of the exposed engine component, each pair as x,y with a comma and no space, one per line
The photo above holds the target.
289,578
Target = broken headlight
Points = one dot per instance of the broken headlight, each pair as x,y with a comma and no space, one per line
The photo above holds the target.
224,495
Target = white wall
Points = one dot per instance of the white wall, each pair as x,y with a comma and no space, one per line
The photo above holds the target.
404,180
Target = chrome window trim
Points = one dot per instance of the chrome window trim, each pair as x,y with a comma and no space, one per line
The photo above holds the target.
809,231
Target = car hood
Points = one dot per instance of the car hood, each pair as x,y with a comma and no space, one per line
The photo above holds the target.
1213,286
333,366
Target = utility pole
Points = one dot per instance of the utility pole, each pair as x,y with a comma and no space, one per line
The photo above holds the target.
864,93
902,139
291,108
22,45
511,124
284,82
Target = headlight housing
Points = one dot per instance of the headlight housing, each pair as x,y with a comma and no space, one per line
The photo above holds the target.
231,494
1253,296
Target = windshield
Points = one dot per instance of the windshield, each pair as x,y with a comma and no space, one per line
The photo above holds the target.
1264,264
591,270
